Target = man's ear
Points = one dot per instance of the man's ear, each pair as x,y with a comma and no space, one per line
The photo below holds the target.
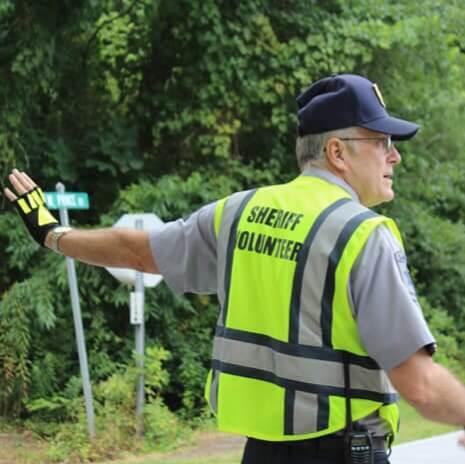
336,155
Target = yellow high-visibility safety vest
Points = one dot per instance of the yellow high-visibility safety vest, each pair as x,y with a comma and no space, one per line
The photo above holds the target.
285,253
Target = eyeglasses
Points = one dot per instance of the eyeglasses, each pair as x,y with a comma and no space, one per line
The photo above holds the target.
387,142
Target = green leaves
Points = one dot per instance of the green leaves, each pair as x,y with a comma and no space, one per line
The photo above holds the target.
14,350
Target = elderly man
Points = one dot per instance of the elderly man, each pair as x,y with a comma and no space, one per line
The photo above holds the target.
319,325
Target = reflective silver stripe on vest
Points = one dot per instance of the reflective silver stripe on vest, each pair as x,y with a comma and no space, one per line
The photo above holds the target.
230,211
214,391
303,420
231,207
312,312
319,375
309,328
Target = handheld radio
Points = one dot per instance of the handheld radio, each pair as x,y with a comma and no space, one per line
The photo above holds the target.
358,444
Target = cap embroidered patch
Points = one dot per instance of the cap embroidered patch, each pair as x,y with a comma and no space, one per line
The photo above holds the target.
378,94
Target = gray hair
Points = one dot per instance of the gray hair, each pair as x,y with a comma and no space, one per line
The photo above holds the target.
310,149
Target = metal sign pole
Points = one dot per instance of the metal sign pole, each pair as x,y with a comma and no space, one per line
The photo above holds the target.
139,280
140,336
78,328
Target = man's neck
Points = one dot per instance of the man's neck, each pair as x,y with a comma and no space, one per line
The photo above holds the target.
323,172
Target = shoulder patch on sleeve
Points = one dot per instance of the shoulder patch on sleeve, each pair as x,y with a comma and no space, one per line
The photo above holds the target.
401,260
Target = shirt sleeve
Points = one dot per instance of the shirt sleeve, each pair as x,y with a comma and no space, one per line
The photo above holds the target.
185,252
389,318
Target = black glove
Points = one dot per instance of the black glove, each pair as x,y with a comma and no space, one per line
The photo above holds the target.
38,219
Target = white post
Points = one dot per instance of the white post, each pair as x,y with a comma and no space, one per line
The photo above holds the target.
78,328
140,336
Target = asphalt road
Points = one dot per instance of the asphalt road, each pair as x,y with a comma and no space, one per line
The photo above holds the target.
442,449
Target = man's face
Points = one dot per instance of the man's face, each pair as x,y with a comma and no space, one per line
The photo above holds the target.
370,167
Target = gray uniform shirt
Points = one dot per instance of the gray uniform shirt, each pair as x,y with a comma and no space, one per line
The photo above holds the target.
383,298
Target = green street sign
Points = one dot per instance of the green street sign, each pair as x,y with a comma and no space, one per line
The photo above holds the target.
67,200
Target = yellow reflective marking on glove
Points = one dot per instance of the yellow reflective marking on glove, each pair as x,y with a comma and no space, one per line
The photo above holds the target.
32,201
39,191
37,198
44,217
24,206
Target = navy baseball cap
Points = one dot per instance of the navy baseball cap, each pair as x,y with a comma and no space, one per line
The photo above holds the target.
347,100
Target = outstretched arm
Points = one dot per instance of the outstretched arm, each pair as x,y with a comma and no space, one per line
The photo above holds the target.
109,247
101,247
430,388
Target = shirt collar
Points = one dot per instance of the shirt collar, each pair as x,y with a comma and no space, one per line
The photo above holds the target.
333,179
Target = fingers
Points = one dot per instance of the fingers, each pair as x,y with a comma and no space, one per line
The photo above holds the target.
29,180
21,183
9,194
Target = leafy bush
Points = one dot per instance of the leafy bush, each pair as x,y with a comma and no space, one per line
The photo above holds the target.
115,417
163,429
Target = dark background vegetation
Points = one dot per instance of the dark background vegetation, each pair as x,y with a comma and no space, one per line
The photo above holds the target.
163,106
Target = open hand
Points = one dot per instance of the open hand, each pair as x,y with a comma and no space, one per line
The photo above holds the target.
21,182
29,200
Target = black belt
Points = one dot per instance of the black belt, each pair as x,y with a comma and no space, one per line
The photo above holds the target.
326,445
336,442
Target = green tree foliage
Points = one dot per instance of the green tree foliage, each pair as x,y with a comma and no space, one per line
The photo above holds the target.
163,106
